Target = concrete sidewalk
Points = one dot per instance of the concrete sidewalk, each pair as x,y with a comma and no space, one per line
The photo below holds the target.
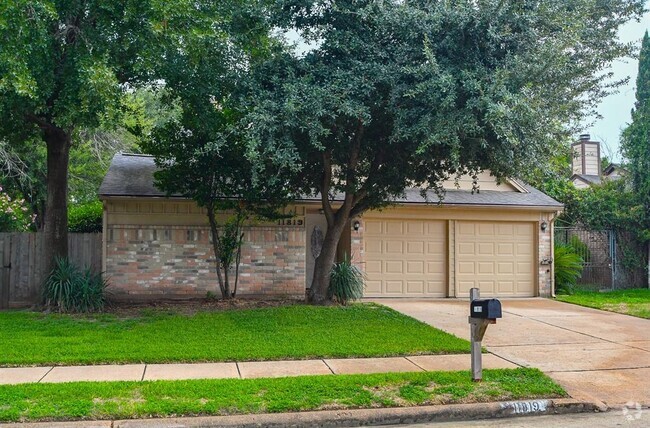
244,370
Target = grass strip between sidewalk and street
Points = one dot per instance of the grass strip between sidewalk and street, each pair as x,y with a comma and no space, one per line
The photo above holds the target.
164,336
125,400
635,302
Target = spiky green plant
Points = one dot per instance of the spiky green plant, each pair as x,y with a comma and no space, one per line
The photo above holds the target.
568,268
346,282
70,289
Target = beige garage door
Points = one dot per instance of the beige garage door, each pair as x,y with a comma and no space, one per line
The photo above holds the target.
496,257
405,258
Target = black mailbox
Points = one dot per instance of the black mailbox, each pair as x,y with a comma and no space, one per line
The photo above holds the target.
485,308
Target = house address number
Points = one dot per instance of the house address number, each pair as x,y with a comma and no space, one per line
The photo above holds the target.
291,222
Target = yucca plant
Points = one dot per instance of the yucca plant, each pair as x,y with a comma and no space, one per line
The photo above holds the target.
346,282
568,268
69,289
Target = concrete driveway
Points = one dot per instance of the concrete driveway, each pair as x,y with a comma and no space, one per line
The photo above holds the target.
594,355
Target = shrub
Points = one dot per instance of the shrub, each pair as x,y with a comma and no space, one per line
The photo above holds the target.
85,217
14,214
580,248
568,268
70,289
346,282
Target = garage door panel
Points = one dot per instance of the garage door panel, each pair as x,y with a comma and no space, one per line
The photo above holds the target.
437,248
394,247
434,268
373,267
372,227
466,267
505,249
485,268
409,258
414,228
374,247
396,287
505,268
372,287
498,259
436,229
506,287
485,249
394,228
415,287
414,267
486,229
466,248
466,229
414,247
393,266
524,268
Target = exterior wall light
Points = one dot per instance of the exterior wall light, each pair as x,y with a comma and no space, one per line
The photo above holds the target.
544,226
356,225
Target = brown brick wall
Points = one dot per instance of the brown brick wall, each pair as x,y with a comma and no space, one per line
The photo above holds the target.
160,262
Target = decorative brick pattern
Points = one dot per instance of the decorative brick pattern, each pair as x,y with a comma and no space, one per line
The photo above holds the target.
171,262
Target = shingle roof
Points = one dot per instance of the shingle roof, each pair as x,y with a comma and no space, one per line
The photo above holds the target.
589,179
132,176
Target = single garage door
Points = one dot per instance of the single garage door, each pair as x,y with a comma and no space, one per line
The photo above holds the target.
405,258
496,257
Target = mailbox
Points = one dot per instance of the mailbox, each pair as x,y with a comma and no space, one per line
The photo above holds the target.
485,308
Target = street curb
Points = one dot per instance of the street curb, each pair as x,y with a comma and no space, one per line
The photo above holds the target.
348,418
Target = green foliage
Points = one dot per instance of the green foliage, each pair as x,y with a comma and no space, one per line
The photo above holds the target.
394,94
201,153
635,146
85,217
568,268
579,248
70,289
346,282
14,214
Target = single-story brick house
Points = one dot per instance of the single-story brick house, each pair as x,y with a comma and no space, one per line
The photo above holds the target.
499,240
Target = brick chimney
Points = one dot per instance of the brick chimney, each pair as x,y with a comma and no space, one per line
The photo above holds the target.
586,156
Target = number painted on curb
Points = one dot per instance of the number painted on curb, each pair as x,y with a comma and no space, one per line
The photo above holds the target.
525,407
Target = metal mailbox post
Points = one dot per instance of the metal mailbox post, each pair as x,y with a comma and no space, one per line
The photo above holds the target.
481,314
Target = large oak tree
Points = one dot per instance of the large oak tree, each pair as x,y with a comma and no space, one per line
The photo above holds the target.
395,94
63,67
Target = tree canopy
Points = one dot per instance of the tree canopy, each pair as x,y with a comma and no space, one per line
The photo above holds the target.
401,94
635,141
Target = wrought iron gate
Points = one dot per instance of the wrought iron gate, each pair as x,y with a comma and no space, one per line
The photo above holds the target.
598,251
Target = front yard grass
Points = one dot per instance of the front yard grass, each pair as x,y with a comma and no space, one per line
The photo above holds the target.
122,400
275,333
635,302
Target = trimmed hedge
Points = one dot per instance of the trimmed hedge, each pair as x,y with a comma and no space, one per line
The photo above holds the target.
85,217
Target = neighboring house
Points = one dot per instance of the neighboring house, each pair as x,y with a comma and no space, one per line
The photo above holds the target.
499,240
586,164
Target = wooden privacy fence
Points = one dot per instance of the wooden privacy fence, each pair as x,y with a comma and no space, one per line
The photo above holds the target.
22,264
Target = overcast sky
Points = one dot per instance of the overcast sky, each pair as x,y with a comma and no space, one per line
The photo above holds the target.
616,108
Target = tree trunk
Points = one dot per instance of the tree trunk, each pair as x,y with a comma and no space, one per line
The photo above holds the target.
325,261
55,221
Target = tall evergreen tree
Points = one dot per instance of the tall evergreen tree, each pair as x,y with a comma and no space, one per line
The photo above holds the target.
635,143
635,147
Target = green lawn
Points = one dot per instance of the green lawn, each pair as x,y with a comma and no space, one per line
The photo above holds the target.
119,400
288,332
635,302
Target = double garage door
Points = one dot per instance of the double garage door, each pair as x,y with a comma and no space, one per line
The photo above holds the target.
414,258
